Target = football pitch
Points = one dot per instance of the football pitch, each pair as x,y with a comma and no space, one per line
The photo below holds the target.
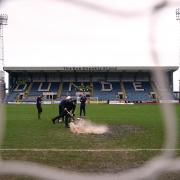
136,134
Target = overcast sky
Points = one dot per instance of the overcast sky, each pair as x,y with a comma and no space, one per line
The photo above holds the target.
89,33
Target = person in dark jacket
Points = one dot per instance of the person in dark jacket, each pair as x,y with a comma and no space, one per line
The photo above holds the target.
38,106
61,114
61,107
83,104
67,108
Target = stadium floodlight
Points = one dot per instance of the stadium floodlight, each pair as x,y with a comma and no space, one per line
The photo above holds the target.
178,14
178,19
3,21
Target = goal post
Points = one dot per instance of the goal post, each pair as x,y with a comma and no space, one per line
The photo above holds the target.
90,100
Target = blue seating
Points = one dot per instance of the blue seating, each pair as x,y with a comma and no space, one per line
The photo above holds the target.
106,95
71,92
65,90
11,97
54,87
44,85
34,90
133,95
103,94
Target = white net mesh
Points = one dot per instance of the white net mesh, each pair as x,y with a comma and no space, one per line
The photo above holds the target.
166,162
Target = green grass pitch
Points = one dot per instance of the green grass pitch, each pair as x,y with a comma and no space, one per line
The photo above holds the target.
131,127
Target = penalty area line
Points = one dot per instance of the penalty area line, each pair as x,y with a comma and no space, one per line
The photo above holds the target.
85,150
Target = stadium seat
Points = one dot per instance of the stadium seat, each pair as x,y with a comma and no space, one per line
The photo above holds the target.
106,95
137,96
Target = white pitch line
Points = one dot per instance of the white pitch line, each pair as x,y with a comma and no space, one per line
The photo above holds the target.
88,150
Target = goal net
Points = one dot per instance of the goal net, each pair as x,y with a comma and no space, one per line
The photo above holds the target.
90,100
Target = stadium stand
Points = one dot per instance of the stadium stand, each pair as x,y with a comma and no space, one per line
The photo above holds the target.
134,94
65,89
12,97
104,94
124,84
35,89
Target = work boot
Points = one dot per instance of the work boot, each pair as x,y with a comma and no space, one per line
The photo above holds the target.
53,121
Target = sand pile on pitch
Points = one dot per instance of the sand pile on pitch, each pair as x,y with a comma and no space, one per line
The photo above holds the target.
86,127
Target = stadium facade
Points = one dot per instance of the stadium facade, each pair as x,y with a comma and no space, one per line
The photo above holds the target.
123,84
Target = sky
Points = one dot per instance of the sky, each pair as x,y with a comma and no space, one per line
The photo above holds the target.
90,33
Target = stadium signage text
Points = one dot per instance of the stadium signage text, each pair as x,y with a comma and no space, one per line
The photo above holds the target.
90,68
